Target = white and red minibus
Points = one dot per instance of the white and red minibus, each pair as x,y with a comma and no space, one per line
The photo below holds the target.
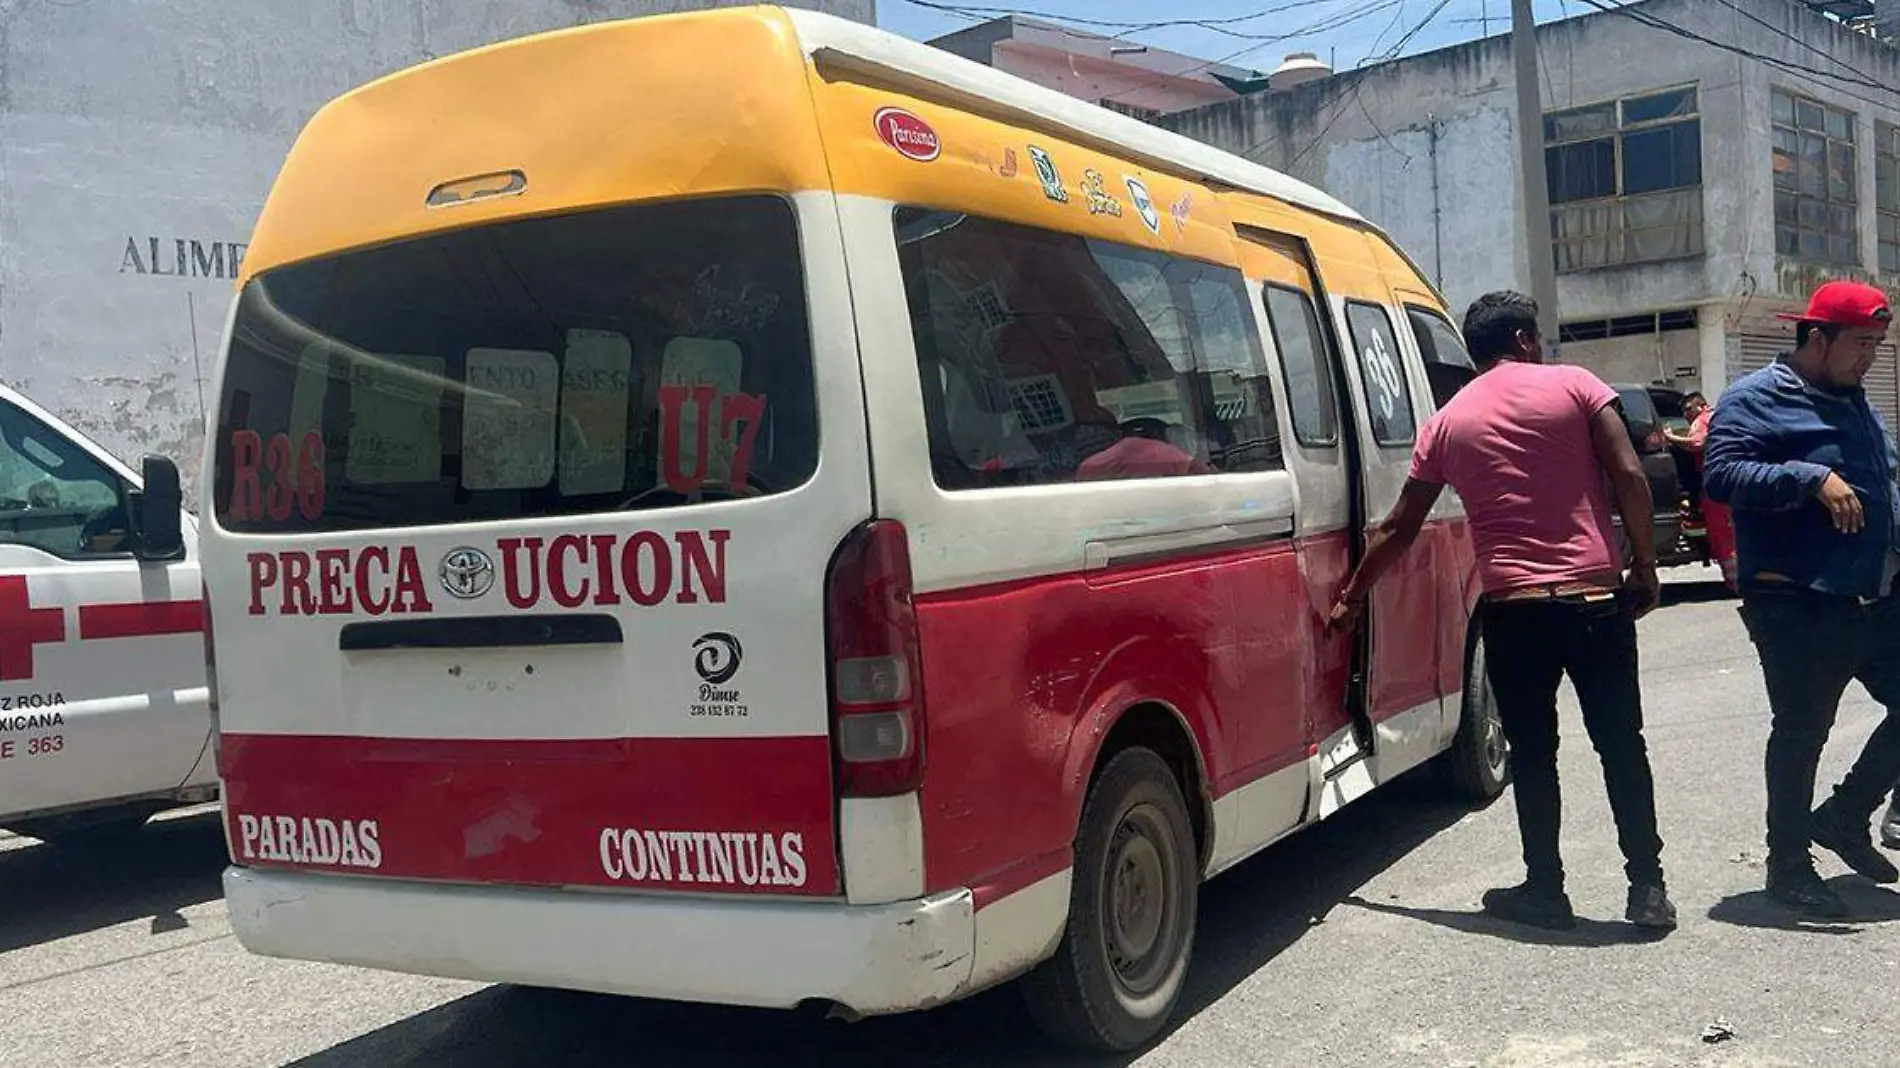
831,525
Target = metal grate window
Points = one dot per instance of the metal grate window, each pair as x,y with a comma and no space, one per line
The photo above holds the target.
1040,403
1625,180
1816,199
1887,194
1627,325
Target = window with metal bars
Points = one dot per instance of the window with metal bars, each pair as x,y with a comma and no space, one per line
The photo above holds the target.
1887,194
1816,194
1625,180
1627,325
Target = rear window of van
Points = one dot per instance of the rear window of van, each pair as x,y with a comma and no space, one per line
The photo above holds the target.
613,360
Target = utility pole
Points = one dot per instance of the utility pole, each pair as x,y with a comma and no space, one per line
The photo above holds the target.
1534,193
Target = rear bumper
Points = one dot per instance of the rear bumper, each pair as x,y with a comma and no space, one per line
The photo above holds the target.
770,954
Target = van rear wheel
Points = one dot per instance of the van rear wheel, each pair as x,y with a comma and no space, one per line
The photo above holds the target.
1123,960
1478,764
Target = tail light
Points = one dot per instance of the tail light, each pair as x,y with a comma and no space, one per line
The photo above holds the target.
877,726
211,674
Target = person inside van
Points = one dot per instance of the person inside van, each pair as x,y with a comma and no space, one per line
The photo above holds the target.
1143,451
1526,446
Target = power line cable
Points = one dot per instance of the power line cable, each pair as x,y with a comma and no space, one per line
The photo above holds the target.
1337,20
1655,22
1358,82
1816,49
1216,25
1129,29
1373,49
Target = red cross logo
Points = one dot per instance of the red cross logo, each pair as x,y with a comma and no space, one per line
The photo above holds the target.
22,627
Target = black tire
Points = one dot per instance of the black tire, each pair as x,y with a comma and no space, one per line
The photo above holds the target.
1118,973
1478,764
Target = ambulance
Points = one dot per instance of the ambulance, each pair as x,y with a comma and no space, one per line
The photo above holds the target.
739,507
104,715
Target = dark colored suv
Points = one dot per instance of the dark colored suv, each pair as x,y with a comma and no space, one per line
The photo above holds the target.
1646,410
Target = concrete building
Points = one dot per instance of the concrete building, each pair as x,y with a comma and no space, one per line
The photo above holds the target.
1121,75
1696,190
137,141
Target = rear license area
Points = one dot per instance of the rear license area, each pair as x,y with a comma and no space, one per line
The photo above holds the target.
674,814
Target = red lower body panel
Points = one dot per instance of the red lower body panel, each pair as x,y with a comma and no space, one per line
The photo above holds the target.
1022,681
727,815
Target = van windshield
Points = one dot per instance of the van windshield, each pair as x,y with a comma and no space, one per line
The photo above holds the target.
625,358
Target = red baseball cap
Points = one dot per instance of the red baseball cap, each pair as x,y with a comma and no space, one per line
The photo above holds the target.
1855,305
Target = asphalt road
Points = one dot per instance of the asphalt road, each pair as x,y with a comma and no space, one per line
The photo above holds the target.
1355,943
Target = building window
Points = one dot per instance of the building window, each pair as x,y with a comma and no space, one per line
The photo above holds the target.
1627,326
1815,201
1887,194
1625,180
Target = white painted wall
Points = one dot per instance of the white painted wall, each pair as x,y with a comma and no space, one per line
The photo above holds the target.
137,141
1436,192
1644,358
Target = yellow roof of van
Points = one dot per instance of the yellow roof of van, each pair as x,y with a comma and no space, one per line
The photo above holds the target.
932,73
575,111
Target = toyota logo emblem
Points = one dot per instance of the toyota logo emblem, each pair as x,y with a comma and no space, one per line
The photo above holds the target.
467,573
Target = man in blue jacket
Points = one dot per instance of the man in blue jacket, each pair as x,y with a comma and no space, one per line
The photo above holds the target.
1806,465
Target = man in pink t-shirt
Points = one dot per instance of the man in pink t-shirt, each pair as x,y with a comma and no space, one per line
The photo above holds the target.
1527,447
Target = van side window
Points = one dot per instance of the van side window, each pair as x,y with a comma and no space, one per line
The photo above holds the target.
1447,365
1388,392
54,496
1303,359
1243,420
1049,358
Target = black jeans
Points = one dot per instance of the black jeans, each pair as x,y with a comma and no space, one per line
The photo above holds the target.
1812,645
1529,647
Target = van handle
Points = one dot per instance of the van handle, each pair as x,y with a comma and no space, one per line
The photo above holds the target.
481,632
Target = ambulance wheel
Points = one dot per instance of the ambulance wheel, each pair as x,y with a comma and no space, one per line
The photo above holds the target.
1123,959
1478,764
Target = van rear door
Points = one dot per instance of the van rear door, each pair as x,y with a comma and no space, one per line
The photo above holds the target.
522,533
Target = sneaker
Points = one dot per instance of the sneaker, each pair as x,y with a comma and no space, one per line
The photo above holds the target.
1531,907
1649,906
1850,840
1890,825
1803,891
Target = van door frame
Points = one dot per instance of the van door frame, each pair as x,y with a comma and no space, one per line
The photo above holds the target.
1358,688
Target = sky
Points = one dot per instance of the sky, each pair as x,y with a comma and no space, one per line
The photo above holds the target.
1352,32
